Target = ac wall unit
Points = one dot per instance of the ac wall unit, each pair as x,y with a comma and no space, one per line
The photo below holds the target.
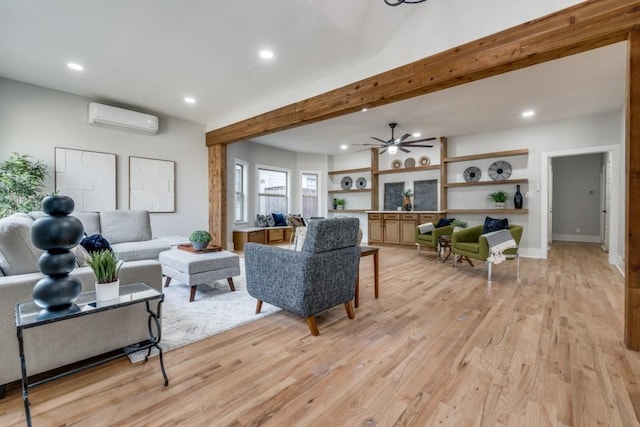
106,115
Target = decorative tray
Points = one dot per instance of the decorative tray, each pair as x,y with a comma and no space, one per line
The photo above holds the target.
189,248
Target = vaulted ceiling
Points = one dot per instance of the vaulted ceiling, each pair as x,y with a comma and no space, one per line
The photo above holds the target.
149,55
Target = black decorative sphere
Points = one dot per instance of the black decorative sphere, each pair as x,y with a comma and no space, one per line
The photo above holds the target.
61,232
58,205
57,264
57,234
56,293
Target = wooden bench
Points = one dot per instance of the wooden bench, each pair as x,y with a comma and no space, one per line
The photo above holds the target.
264,235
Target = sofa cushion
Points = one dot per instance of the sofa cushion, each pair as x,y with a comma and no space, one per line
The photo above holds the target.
90,221
125,226
280,219
17,253
133,251
494,224
261,221
271,222
443,222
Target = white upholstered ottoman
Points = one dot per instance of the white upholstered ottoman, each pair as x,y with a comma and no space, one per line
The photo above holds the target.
196,269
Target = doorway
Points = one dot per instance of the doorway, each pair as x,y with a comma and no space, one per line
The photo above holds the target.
577,198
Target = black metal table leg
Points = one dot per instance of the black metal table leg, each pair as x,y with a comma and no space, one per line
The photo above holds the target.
154,338
25,379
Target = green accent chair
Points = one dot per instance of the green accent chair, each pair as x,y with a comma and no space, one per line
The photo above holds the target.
432,239
469,242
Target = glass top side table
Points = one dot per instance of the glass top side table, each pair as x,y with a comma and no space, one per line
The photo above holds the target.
29,315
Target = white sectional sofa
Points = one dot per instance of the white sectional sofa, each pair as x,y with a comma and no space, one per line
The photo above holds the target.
71,341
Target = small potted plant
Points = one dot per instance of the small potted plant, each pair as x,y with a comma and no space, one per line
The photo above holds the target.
499,198
106,266
406,199
200,239
340,203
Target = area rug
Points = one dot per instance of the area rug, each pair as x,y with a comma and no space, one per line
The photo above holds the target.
215,309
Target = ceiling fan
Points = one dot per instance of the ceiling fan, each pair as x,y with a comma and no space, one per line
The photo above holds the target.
394,144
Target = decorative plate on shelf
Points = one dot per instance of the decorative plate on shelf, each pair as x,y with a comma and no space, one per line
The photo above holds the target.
346,183
500,170
361,183
396,164
472,174
410,162
425,161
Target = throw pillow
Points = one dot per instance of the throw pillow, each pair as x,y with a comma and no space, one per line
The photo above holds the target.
261,221
95,243
493,224
295,221
279,219
270,221
443,222
426,228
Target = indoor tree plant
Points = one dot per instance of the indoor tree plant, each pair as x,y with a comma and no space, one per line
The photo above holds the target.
499,198
21,182
200,239
106,266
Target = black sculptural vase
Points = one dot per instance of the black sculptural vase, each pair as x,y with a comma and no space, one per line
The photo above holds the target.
57,234
517,198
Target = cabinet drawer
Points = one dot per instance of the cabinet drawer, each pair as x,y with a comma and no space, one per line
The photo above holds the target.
274,236
391,216
422,218
256,237
375,216
409,217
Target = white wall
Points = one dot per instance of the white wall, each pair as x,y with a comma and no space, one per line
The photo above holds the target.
581,132
34,120
576,198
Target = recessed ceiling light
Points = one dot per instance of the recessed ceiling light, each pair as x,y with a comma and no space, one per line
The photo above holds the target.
75,67
364,110
190,100
266,54
344,146
528,113
417,135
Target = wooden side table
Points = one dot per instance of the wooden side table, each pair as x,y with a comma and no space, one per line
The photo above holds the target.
444,242
366,251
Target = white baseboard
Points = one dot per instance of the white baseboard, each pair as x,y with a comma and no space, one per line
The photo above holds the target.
576,238
620,265
530,253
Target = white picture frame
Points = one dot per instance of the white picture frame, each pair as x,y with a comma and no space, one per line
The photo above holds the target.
151,184
88,177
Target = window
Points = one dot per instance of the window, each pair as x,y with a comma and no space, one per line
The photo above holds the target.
273,191
241,191
309,188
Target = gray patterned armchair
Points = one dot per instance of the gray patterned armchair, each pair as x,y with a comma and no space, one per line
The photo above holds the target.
322,275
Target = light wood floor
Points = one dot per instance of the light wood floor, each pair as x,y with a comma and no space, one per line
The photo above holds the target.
439,347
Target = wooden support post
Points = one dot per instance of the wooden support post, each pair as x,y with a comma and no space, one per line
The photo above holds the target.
443,173
218,194
375,155
632,208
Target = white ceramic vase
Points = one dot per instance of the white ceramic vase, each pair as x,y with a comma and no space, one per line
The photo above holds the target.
107,291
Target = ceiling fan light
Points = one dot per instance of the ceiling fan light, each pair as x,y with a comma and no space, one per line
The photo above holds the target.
393,149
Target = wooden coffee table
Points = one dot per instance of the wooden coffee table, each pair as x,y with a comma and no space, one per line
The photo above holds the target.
366,251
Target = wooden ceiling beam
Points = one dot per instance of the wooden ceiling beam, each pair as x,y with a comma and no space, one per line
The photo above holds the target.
579,28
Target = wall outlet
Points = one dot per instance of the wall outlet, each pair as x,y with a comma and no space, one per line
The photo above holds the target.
577,229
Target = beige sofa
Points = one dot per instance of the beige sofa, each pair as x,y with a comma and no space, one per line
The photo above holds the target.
59,344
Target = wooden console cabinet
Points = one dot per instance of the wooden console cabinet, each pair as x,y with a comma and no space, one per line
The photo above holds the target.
266,236
398,228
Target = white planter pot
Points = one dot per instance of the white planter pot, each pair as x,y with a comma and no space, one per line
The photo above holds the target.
107,291
500,205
